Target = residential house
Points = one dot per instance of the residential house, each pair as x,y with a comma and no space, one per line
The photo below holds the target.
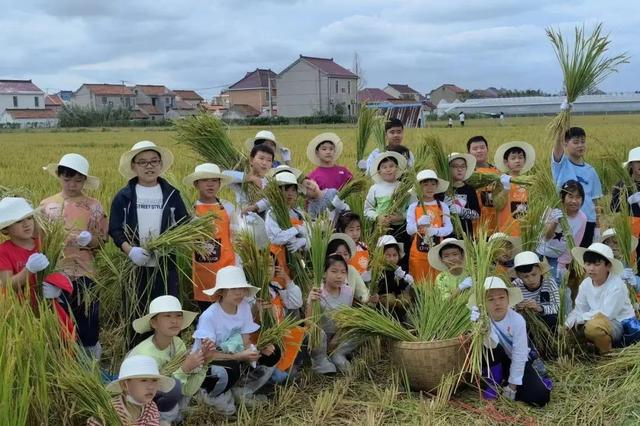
316,86
100,96
20,94
155,100
403,91
240,112
222,100
65,95
256,89
29,118
373,94
446,92
53,102
189,96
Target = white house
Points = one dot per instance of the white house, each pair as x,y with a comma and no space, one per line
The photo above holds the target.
99,96
29,118
20,94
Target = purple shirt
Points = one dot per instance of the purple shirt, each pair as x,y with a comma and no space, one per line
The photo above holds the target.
330,177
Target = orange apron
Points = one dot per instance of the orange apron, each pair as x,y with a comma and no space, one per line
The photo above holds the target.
360,259
292,342
487,211
221,254
419,267
280,252
515,208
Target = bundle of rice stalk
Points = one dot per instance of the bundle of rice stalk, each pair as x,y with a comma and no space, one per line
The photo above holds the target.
439,159
174,363
275,334
53,238
19,191
480,180
377,263
379,134
542,337
584,66
421,154
366,122
365,322
431,319
357,185
608,165
403,192
208,136
187,237
542,197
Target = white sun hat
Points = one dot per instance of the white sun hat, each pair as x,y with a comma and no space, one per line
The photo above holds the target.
388,240
339,236
601,249
287,178
13,210
434,253
400,159
125,159
231,277
526,258
159,305
634,155
516,242
284,168
428,174
611,232
318,140
494,283
78,163
529,152
468,158
206,171
141,367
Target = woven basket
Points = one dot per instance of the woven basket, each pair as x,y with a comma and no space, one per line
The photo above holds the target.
427,362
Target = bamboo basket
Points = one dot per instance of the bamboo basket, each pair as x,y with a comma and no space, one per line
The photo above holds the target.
426,363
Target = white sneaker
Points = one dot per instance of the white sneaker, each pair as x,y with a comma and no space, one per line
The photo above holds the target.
249,399
221,404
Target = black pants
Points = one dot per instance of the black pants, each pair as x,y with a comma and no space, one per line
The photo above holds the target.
232,370
589,231
400,234
85,315
167,400
533,390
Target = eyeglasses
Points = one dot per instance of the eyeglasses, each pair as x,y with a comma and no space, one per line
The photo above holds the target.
145,164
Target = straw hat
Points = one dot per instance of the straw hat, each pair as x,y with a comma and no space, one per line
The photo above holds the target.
611,232
388,240
351,245
13,210
434,253
74,162
400,159
206,171
515,241
529,258
468,158
288,178
160,305
125,159
529,151
431,175
318,140
264,135
141,367
284,168
634,155
231,277
494,283
601,249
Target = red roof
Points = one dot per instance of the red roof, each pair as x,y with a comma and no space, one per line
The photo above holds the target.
18,86
403,88
53,100
258,79
149,109
154,90
188,95
180,104
136,114
24,114
373,94
245,110
453,88
329,67
109,89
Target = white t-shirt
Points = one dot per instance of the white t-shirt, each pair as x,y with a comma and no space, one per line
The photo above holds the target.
217,325
149,208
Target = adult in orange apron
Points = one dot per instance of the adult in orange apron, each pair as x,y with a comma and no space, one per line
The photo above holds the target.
485,198
419,267
513,211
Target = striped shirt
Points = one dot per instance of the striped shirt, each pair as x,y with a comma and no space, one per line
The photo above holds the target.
547,295
150,415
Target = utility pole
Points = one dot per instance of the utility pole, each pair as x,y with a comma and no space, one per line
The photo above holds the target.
270,97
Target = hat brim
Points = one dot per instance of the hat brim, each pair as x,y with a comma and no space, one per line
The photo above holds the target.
323,137
8,223
217,289
434,254
251,142
469,159
126,170
402,165
340,236
529,152
515,297
516,242
165,384
193,177
284,168
143,324
443,185
92,183
634,241
400,247
578,255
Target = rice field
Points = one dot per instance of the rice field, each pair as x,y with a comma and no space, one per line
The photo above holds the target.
374,393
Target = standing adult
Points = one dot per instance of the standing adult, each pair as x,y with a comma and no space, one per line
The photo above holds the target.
461,118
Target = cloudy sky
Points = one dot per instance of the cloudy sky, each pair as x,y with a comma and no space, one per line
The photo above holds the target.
206,44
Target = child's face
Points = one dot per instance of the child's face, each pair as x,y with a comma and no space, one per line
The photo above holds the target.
353,230
576,146
147,166
391,255
261,163
343,251
207,188
387,171
72,186
326,152
394,136
531,279
597,271
142,390
235,296
335,275
505,253
634,166
168,324
515,161
458,168
290,194
22,230
572,203
612,242
479,150
451,256
497,303
429,188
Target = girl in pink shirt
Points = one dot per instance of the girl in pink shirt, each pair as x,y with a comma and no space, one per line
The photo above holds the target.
323,151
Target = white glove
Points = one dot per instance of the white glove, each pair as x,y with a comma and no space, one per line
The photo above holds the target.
340,205
49,291
286,153
139,256
634,198
399,273
424,220
565,105
509,393
302,231
629,276
455,208
505,180
461,201
291,233
84,238
475,314
297,244
253,348
465,284
362,165
409,278
250,218
366,276
37,262
431,232
555,215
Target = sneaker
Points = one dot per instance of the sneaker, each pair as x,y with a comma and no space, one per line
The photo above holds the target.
341,362
221,404
323,366
249,399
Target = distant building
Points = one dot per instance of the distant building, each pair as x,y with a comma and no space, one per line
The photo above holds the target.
316,86
240,112
20,94
155,100
53,102
253,90
447,92
30,118
188,96
373,94
403,91
65,95
102,96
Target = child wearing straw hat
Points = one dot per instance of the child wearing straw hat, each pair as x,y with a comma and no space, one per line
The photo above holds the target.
602,304
323,151
146,207
509,248
394,288
479,148
539,290
448,258
350,223
394,136
208,180
512,365
428,222
512,159
229,324
248,187
464,202
86,222
166,319
268,138
137,385
610,239
633,194
344,245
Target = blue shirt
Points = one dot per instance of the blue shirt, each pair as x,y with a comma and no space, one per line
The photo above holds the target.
565,170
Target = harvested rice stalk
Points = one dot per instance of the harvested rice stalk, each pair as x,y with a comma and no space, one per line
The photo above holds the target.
357,185
480,180
174,363
53,238
439,159
431,319
542,337
379,133
364,322
187,237
319,232
275,334
367,117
